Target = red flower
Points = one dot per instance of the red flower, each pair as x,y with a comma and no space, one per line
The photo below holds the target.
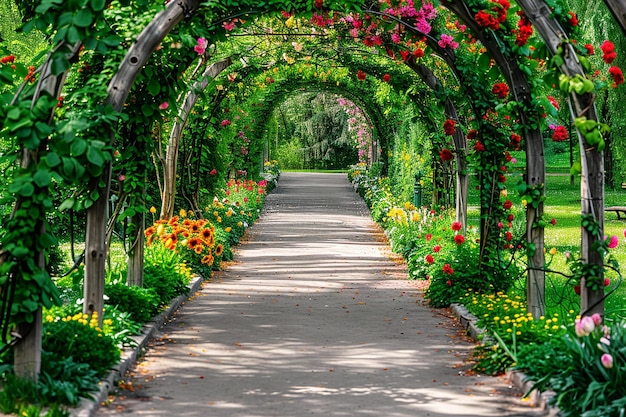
608,51
447,269
448,127
472,134
525,31
429,236
507,205
361,75
508,236
607,282
560,134
577,289
486,20
449,283
418,53
386,78
225,122
573,19
430,259
589,48
618,76
511,217
456,226
405,54
7,59
501,90
213,172
319,3
459,239
515,141
436,248
479,147
553,221
446,155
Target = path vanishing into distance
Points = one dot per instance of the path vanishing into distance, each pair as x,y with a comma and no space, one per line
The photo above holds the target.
314,317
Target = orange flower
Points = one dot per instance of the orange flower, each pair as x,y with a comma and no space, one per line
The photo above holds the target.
198,249
195,228
208,259
206,233
193,242
174,238
219,250
173,220
187,222
150,231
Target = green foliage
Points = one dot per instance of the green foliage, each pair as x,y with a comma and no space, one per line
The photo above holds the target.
140,303
587,370
162,273
79,337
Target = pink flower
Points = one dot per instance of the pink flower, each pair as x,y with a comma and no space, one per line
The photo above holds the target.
200,46
597,319
225,122
613,242
213,172
447,40
122,177
229,26
584,326
607,361
164,105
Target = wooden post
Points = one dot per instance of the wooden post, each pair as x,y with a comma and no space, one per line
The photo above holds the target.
171,154
27,351
119,87
592,161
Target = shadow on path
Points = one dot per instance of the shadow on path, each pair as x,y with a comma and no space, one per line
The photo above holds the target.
312,319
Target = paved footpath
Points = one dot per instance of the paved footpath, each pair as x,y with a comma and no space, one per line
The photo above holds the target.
312,318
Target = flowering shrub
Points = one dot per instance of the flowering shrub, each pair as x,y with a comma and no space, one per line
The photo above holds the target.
80,336
587,370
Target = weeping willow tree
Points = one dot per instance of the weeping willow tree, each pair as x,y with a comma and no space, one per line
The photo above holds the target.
320,125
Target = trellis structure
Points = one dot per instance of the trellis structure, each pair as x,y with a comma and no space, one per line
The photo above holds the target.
194,16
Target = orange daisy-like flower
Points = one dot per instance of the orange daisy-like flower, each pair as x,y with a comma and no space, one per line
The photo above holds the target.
193,242
173,220
150,231
219,250
174,238
206,233
195,228
187,222
198,249
207,259
150,238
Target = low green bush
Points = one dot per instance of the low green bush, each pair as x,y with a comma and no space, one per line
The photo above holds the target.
80,337
162,273
140,303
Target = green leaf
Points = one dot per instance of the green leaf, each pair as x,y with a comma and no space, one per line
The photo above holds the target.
94,156
51,159
84,18
41,178
78,147
154,86
97,5
484,62
67,204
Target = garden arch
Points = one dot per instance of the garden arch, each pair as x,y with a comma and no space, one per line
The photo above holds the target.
174,13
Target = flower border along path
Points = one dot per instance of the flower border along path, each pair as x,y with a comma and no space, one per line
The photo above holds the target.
88,408
468,322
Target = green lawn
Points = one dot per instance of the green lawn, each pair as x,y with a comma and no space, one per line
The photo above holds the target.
563,204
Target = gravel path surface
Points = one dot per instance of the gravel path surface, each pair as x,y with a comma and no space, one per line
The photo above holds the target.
314,317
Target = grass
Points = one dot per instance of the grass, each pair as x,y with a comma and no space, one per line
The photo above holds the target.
563,204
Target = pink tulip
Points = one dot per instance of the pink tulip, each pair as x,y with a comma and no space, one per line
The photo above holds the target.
607,361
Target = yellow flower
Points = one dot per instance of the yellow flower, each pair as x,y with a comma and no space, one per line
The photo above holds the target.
553,251
228,229
182,213
153,210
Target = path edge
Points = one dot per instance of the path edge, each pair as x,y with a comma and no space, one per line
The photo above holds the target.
88,406
517,378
